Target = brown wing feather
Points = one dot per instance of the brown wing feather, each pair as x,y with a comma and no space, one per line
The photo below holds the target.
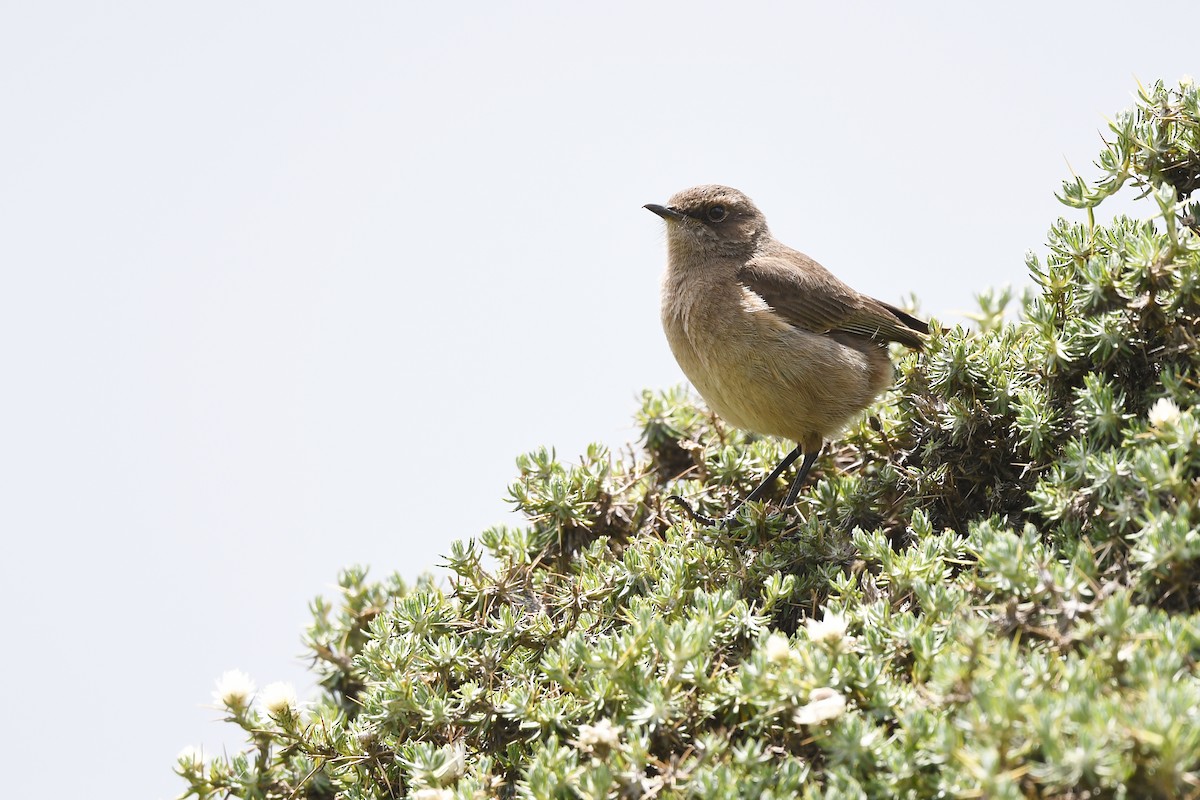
808,296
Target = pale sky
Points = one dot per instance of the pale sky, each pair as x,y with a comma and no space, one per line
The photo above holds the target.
288,286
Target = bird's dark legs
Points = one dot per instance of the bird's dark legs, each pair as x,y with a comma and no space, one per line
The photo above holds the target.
805,466
787,461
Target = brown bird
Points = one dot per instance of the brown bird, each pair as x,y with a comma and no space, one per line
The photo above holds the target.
773,341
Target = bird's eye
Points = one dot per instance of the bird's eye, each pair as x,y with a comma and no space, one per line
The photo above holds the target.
717,213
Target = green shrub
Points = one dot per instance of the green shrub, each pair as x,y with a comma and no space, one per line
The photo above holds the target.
990,590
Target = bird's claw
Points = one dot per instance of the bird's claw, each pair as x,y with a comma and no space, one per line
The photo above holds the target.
699,516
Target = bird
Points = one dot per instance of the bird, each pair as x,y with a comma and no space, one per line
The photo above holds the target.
775,343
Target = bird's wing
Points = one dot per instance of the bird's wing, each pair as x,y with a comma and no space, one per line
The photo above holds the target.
810,297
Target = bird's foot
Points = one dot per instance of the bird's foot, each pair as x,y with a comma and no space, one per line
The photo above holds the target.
723,522
701,517
720,523
697,516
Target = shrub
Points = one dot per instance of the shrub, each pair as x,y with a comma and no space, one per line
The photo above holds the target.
990,589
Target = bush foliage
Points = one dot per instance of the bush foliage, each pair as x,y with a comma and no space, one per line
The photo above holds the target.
990,590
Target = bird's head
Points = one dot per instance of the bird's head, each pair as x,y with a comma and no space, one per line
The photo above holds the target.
712,220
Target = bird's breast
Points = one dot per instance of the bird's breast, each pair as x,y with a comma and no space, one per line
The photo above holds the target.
761,373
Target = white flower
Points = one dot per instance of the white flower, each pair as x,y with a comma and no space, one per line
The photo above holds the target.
778,648
1186,81
823,704
1164,412
433,794
602,734
278,699
455,763
234,690
830,629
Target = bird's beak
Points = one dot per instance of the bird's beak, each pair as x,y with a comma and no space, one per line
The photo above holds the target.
666,212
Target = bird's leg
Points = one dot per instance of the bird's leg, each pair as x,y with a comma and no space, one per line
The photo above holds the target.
805,466
762,487
704,519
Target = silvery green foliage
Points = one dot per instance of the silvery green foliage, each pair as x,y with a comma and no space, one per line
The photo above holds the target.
990,590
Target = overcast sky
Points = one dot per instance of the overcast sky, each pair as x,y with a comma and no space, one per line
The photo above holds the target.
288,286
